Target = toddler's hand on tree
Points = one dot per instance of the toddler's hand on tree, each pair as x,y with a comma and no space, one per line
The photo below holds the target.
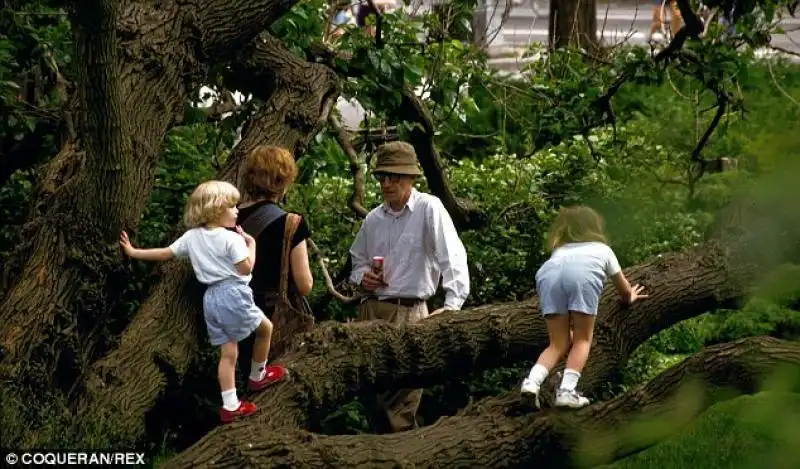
125,244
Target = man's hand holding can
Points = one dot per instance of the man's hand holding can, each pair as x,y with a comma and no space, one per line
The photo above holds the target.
374,278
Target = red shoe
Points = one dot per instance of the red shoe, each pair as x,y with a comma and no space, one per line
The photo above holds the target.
245,408
273,375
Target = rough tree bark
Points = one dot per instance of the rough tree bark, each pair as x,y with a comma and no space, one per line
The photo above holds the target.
97,184
512,435
164,337
137,64
336,363
572,22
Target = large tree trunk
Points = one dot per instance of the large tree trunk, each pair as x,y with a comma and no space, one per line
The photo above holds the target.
97,185
165,336
137,64
572,22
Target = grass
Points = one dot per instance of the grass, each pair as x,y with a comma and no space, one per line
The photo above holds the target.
761,431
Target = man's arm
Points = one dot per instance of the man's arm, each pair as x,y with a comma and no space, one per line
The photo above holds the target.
450,255
359,255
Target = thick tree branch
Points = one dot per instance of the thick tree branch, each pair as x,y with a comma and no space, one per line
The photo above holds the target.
544,439
269,64
356,201
465,214
336,363
107,178
227,25
378,24
693,28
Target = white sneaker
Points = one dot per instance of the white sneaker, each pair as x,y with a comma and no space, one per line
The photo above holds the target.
573,399
529,386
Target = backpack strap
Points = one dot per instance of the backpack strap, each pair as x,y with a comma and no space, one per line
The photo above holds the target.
292,222
261,218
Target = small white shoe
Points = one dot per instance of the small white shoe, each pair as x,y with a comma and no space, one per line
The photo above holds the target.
530,387
570,399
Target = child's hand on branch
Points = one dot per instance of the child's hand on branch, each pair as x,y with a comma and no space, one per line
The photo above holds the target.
636,293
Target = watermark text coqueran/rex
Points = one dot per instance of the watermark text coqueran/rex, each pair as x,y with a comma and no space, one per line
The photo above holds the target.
68,458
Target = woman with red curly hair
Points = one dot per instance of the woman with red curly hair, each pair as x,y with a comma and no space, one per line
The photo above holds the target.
268,174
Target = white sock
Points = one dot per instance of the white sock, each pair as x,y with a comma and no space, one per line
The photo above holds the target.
538,374
229,400
257,370
570,380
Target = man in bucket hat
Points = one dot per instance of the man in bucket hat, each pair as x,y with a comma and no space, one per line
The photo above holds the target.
416,237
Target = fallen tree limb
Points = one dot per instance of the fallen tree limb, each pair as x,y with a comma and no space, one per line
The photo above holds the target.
336,363
513,436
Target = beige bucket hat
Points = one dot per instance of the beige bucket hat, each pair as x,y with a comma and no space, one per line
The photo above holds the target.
397,158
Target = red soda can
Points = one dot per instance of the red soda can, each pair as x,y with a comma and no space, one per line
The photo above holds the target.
377,267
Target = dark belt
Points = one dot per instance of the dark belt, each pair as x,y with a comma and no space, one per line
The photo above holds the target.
407,302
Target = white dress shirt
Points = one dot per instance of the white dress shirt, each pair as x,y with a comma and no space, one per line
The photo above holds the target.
419,245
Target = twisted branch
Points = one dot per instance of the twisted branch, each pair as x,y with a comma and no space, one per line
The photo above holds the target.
356,202
327,276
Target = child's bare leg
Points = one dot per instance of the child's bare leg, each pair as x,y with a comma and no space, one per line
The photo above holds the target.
559,333
583,329
582,333
261,347
226,373
558,330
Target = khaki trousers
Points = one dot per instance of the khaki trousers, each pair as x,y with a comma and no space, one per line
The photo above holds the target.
399,407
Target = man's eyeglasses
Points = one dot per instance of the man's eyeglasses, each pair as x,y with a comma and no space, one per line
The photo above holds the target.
391,177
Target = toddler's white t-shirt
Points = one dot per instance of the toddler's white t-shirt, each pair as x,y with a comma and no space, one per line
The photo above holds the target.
214,253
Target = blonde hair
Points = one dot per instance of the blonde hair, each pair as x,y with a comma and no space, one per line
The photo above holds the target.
209,201
269,170
576,224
